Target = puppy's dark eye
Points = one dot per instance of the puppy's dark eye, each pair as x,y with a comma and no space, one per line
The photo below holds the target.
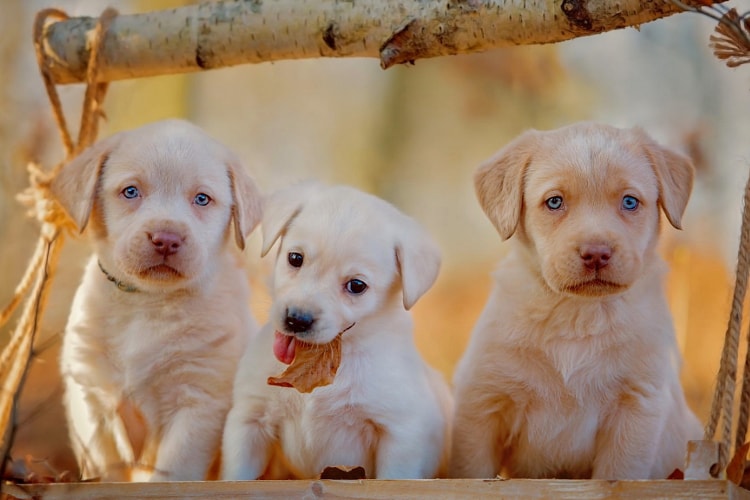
355,286
295,259
130,192
554,202
202,199
630,203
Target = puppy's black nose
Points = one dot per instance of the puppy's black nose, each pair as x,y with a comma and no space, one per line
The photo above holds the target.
595,257
298,321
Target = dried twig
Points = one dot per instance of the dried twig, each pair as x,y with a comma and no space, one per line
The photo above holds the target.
731,38
730,41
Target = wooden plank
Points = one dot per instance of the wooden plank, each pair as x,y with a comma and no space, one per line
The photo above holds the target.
387,490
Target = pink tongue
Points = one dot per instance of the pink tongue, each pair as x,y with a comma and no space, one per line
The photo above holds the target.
283,347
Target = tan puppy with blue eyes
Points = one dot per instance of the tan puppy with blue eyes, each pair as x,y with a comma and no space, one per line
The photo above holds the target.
162,314
348,264
572,368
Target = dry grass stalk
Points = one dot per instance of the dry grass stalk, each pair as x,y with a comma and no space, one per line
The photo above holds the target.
16,356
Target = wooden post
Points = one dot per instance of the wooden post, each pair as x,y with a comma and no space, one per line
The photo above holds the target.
702,460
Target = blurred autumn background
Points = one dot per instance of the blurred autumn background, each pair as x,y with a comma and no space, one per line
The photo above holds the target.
412,135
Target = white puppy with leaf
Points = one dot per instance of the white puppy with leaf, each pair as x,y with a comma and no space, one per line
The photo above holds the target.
348,267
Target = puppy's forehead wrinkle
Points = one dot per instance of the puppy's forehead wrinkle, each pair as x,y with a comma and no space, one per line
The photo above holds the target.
363,228
170,176
591,152
348,258
178,139
604,178
350,244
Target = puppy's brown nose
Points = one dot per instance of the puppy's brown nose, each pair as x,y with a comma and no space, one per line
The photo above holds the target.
165,243
595,257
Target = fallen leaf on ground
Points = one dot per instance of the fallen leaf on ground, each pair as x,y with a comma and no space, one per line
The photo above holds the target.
676,474
343,472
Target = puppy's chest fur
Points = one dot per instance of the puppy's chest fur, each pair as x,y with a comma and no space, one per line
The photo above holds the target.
333,425
567,365
143,341
563,402
557,411
135,346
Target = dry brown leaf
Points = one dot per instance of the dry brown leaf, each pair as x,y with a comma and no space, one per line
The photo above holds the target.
676,474
344,472
736,466
314,365
730,41
29,470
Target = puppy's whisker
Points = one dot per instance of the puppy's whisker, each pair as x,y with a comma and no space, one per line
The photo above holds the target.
347,328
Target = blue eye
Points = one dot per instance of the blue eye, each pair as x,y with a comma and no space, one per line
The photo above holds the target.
355,286
130,192
202,199
554,202
295,259
630,203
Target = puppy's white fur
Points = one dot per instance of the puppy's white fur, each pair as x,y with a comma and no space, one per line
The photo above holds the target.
572,368
148,373
386,409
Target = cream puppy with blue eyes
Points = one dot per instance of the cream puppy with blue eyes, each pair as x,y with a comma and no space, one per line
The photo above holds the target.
349,264
162,314
572,370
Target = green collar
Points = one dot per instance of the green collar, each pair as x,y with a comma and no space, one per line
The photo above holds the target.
119,284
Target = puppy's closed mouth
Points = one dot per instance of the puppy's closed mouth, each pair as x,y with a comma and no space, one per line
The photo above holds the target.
595,287
160,272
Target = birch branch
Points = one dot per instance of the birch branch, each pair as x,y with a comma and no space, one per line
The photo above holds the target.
215,34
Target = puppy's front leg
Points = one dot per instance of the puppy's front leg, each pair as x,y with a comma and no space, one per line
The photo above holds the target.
92,426
246,446
628,442
189,443
480,431
408,450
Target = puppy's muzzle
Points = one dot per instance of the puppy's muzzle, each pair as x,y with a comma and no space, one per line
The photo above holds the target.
298,321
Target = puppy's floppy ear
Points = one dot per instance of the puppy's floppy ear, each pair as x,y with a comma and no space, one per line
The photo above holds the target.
418,260
674,172
247,209
75,184
499,183
280,208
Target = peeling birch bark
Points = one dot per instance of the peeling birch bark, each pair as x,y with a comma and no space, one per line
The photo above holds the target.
215,34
